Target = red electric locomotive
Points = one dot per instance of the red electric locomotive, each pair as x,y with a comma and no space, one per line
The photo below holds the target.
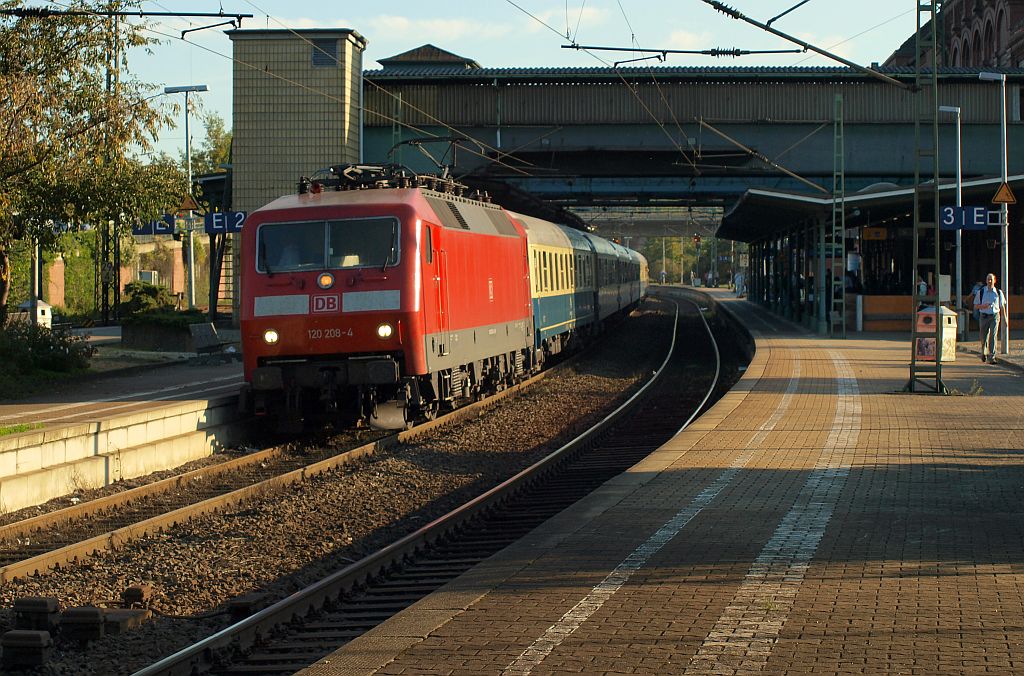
383,294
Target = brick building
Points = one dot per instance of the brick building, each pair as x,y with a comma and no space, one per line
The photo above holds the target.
975,34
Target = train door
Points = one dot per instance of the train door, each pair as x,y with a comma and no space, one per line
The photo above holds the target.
441,289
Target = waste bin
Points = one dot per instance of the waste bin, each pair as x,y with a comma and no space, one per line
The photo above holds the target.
925,348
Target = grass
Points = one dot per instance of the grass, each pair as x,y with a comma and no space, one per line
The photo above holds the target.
17,429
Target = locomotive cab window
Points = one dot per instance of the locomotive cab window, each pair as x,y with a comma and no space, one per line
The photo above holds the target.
363,242
318,245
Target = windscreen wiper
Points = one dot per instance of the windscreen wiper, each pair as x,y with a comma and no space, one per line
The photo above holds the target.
394,245
263,259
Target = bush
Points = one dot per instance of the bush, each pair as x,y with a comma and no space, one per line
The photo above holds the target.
143,297
168,318
26,348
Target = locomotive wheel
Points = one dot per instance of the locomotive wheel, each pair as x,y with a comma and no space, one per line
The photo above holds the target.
389,415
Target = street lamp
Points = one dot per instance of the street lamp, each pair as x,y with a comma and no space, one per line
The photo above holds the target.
1004,209
186,90
959,202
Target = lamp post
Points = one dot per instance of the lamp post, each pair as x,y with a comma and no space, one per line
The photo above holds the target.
959,202
186,90
1004,209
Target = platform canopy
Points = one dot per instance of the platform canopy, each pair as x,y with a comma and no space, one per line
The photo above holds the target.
761,214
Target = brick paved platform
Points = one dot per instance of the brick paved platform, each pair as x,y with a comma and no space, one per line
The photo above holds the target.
814,521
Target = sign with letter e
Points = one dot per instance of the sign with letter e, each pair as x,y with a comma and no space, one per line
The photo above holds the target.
224,222
964,218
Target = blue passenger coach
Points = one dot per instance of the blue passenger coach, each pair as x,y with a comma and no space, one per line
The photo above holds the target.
552,283
577,280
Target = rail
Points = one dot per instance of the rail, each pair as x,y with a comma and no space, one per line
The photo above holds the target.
199,656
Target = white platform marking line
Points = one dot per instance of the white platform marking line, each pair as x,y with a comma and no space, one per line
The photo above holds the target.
96,413
581,612
90,402
749,628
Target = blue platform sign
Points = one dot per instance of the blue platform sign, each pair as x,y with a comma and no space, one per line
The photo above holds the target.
964,218
163,226
224,221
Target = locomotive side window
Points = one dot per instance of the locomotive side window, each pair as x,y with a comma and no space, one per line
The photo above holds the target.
428,250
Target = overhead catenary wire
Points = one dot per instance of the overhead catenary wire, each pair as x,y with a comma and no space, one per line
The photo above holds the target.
631,89
740,16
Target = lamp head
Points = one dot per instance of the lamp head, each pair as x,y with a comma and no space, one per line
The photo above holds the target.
992,77
950,109
186,88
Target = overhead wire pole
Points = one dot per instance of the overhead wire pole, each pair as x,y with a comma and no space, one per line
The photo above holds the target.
926,341
836,285
926,371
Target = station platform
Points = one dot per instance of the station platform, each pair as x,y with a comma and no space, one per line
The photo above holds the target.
143,413
124,381
815,520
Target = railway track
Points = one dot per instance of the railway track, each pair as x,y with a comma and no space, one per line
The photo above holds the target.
317,620
45,542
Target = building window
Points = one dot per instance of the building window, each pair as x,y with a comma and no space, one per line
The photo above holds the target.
325,53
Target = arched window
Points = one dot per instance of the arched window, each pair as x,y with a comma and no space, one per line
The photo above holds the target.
965,53
1002,35
990,44
954,56
977,51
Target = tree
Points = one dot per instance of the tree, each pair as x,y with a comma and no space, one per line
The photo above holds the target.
215,152
69,116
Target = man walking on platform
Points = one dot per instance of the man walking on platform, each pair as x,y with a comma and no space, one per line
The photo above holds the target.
990,303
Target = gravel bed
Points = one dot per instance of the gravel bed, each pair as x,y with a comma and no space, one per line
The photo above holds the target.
283,542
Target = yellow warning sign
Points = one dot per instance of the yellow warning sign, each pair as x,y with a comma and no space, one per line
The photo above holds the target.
189,204
1004,195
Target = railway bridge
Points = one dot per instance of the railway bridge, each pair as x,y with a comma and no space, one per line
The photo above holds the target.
606,139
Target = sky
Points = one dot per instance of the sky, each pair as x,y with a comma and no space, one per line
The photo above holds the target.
517,33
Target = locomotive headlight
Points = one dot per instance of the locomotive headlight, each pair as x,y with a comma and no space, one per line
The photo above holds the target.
270,336
384,331
325,280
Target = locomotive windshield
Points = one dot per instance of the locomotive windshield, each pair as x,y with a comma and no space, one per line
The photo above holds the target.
320,245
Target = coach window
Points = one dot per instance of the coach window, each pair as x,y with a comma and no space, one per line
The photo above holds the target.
364,242
547,273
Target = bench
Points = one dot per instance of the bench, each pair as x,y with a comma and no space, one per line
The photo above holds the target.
205,339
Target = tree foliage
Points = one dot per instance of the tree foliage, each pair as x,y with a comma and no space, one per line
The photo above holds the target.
215,152
71,119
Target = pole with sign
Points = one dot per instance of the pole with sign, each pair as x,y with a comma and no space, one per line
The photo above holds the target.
1004,198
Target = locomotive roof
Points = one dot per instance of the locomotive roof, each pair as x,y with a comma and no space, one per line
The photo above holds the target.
451,211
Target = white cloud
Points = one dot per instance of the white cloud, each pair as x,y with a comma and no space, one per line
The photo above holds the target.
436,31
568,18
682,39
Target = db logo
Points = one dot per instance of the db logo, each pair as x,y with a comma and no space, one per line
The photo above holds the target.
325,303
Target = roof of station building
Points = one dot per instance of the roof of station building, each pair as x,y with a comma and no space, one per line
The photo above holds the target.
762,214
396,71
